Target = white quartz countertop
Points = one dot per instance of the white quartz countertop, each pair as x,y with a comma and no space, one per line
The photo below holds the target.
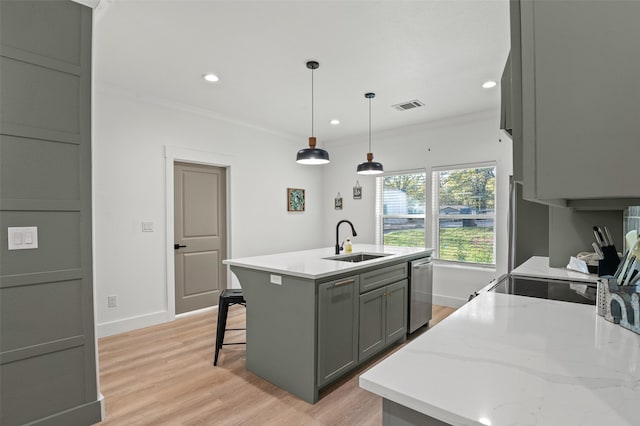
513,360
538,266
312,263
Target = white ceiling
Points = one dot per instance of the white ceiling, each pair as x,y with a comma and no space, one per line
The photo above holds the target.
439,52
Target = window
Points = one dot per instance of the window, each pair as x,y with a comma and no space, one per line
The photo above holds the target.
400,212
464,201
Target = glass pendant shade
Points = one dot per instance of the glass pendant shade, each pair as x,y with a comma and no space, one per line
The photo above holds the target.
370,167
312,155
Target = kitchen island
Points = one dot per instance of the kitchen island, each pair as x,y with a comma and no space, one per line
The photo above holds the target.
312,317
504,359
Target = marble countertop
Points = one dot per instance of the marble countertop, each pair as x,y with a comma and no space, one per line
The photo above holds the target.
313,263
538,266
513,360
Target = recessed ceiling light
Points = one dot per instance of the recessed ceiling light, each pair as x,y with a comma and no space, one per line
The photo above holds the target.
210,77
489,84
335,122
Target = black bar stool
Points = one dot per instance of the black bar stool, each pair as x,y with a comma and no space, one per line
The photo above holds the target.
228,297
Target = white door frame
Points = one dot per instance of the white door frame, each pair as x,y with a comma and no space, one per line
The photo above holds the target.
173,154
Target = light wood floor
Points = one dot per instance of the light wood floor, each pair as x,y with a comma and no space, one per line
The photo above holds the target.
163,375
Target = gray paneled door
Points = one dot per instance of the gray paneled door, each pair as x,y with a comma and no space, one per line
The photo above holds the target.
47,341
200,238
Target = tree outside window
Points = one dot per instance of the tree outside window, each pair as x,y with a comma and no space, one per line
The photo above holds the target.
465,212
401,209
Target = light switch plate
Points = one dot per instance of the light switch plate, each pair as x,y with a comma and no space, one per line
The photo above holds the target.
22,238
147,226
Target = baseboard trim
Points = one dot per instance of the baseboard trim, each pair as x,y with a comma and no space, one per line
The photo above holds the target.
103,412
197,312
452,302
132,323
85,414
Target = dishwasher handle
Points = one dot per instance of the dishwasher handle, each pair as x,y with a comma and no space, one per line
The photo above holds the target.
421,263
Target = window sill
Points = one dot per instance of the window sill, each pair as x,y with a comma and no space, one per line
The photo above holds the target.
460,265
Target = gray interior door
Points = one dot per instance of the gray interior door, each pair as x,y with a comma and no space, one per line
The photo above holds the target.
199,235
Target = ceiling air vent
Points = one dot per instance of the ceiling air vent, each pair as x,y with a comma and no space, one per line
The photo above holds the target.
408,105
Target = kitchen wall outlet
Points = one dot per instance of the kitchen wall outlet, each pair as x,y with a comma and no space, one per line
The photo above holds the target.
22,238
276,279
147,226
112,301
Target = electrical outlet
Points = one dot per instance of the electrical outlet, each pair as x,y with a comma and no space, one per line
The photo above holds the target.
112,301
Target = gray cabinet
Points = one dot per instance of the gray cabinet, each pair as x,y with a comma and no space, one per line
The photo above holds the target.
337,328
383,276
576,66
47,333
383,318
506,122
304,333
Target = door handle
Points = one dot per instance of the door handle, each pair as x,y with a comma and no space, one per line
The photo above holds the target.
178,246
345,282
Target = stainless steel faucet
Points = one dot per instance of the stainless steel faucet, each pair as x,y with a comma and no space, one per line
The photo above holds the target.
353,233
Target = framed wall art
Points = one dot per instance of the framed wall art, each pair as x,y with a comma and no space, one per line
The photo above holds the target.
357,191
338,202
295,200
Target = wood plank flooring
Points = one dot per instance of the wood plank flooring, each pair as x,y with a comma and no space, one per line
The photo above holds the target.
163,375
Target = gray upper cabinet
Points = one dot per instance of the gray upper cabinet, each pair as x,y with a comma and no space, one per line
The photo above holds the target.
337,328
576,65
506,120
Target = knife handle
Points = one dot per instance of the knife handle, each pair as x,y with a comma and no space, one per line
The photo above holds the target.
598,238
608,235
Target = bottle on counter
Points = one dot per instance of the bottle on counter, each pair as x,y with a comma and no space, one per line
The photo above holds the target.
348,248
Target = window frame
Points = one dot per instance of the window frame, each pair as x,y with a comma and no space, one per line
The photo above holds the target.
436,216
379,210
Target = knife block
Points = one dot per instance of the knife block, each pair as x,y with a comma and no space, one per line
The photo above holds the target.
619,304
609,264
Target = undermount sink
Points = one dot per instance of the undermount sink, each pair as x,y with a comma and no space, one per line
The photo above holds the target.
357,257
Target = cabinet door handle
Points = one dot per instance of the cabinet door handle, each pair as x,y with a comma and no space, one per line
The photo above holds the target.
345,282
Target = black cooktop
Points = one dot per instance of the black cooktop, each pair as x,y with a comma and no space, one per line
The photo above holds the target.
548,289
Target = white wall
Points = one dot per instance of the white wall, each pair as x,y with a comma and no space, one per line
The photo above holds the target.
468,139
130,136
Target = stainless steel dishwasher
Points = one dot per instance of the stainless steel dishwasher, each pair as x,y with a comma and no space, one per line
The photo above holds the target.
420,293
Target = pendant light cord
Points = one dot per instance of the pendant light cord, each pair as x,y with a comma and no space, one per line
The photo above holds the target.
312,102
369,124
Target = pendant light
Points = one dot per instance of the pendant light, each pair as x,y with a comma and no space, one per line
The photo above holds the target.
312,155
370,167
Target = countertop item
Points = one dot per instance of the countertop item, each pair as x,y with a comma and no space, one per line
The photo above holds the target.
313,263
538,266
504,360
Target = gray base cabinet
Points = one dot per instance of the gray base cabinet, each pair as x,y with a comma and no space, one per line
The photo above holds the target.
337,328
304,333
383,318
